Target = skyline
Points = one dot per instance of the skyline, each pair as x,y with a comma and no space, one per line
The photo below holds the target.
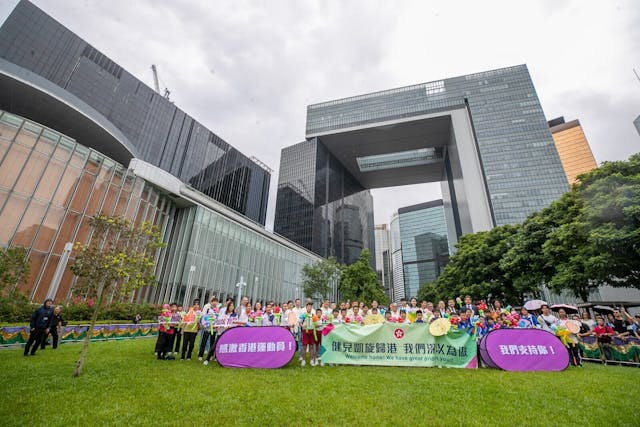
248,72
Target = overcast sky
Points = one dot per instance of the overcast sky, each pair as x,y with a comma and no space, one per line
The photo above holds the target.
248,69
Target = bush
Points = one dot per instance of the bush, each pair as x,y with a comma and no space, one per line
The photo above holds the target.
15,308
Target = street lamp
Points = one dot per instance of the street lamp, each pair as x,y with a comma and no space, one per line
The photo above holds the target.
241,284
187,294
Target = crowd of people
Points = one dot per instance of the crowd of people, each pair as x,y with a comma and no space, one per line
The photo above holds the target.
179,327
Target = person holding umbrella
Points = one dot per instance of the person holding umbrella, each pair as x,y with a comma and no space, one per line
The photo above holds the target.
546,319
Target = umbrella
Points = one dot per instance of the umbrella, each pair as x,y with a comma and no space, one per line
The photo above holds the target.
534,304
568,308
603,308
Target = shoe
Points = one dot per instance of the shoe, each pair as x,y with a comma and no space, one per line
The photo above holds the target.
189,360
302,362
205,363
182,359
200,359
169,358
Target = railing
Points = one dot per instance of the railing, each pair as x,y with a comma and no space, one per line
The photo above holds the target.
12,335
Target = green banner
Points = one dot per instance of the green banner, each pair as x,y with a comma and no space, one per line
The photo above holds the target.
393,344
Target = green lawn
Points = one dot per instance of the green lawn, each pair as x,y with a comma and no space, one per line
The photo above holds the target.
123,384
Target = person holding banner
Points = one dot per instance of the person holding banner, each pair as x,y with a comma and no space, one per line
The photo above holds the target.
191,324
209,315
309,335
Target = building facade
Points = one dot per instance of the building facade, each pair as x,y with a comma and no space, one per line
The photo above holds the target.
384,265
573,148
425,248
158,132
51,186
483,136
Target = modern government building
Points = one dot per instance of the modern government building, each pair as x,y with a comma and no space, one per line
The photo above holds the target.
79,135
483,136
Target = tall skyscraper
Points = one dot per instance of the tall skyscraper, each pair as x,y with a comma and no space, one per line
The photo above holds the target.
573,148
483,136
425,249
155,130
321,206
384,265
396,259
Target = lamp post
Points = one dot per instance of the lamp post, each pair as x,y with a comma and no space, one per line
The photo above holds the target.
241,284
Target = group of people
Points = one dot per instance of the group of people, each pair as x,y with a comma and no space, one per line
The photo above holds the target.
179,327
45,320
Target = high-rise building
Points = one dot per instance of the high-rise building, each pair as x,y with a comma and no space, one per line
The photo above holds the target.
384,265
573,148
636,123
155,130
80,136
425,248
396,259
321,206
483,136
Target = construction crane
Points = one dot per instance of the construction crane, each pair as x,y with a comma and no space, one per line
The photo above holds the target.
156,85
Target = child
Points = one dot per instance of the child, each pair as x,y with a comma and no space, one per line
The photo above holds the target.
387,317
419,317
165,330
403,317
308,340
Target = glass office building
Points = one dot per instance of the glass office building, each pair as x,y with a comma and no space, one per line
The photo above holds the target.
483,136
321,206
51,186
159,132
425,250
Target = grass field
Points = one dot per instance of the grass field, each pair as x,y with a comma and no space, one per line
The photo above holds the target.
123,384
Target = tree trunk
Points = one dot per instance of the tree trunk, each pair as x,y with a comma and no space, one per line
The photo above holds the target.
87,338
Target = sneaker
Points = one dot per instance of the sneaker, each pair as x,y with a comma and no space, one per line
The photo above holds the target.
182,359
200,359
205,363
302,362
189,360
169,358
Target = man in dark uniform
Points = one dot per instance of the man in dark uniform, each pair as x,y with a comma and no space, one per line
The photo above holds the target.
40,322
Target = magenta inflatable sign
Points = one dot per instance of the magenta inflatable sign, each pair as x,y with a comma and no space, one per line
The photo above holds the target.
264,347
524,350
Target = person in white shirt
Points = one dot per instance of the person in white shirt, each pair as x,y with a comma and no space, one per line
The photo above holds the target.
546,319
326,309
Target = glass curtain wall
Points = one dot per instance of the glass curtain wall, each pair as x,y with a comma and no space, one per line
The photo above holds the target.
209,254
50,187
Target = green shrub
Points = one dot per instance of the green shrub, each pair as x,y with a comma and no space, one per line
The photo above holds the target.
15,308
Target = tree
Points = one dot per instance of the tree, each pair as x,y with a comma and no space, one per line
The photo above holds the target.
15,266
318,277
358,281
475,268
119,256
587,238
